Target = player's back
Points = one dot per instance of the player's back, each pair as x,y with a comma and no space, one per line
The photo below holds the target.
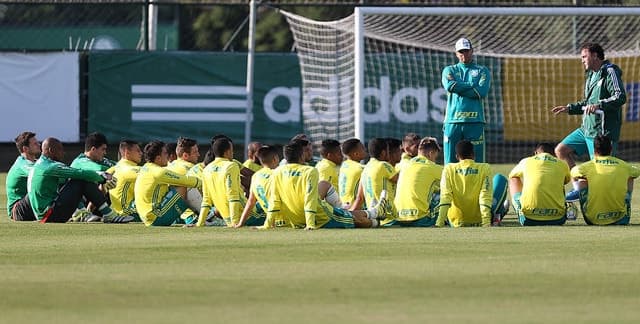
466,185
295,194
348,180
607,177
123,194
260,186
543,178
418,181
223,183
375,178
328,171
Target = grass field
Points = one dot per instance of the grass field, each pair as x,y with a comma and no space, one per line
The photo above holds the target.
115,273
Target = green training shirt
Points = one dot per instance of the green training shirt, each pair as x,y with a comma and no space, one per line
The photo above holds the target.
46,176
16,182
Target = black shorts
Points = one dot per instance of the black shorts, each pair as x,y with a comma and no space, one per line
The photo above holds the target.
22,212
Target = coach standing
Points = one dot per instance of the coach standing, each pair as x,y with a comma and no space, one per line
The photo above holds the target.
601,107
467,84
603,91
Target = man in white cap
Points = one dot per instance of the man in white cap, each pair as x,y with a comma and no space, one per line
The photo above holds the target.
467,84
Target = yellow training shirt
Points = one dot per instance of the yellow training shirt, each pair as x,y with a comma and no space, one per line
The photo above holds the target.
466,188
607,177
543,178
126,173
348,180
295,197
404,161
152,185
328,171
417,182
221,188
252,165
376,177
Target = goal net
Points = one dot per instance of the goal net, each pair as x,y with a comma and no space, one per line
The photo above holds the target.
377,73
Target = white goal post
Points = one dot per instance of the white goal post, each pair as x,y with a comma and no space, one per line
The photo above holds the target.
377,73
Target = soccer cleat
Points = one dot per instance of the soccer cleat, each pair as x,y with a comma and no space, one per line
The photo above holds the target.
215,221
383,208
93,219
573,195
117,219
82,215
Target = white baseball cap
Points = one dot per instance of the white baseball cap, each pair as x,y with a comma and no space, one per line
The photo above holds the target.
463,44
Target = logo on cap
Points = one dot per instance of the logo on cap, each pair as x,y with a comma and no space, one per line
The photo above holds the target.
463,44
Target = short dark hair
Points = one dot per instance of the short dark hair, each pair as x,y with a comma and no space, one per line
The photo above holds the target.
126,144
329,146
393,144
301,142
266,153
23,139
410,138
171,148
152,150
594,48
349,145
220,146
545,147
208,157
602,145
464,149
218,136
429,144
293,151
377,146
94,140
185,145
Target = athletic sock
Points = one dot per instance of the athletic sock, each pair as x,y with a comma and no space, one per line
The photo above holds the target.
106,211
333,198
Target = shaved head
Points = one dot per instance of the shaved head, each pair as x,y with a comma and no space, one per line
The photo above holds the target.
52,148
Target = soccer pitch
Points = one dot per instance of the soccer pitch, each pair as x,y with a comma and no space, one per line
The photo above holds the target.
115,273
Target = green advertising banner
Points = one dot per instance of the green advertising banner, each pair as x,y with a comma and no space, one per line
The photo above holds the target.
164,95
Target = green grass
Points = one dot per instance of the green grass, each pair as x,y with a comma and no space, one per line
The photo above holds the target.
115,273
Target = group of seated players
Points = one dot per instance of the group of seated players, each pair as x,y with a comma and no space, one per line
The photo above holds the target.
401,184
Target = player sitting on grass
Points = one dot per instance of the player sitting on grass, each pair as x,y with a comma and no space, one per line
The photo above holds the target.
253,163
329,166
55,190
245,173
468,196
537,188
188,154
417,198
260,188
221,188
157,203
294,188
93,159
126,171
409,150
378,176
351,170
16,182
605,192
